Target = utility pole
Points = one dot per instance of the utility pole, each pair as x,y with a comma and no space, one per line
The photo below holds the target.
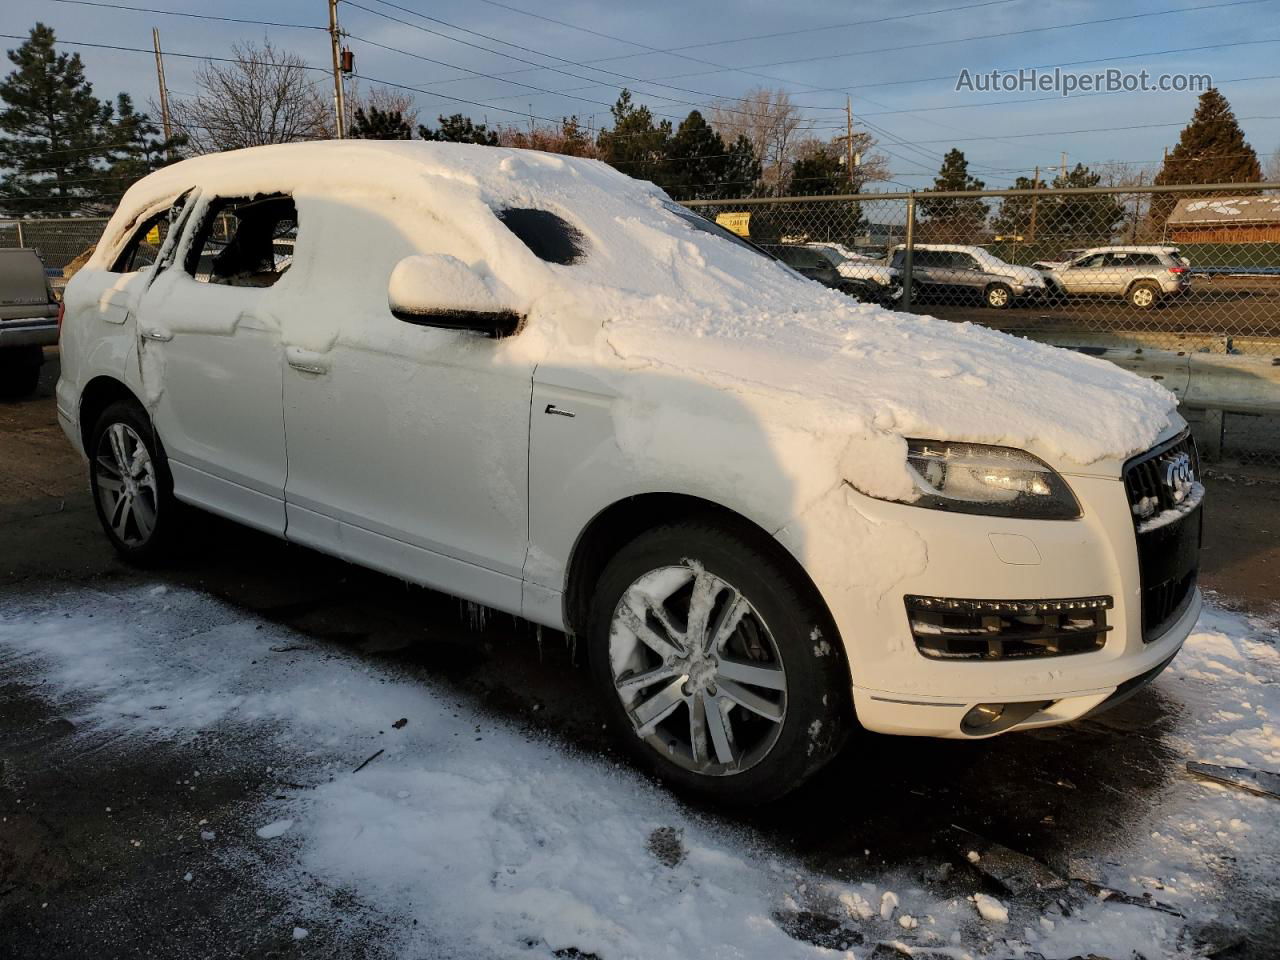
164,89
848,138
339,99
1064,165
1035,185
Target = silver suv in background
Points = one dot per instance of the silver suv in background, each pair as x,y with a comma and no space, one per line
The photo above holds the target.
1143,275
950,270
28,321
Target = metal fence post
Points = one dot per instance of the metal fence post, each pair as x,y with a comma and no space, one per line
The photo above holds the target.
20,243
908,245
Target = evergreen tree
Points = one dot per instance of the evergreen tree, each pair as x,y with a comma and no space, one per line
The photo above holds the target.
820,171
459,129
55,131
1014,217
696,161
573,140
1072,220
742,170
635,145
376,124
1211,149
953,219
135,148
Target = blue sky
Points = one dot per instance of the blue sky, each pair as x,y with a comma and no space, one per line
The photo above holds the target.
842,49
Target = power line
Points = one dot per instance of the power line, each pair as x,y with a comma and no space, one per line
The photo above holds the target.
543,66
1063,133
982,36
675,51
194,16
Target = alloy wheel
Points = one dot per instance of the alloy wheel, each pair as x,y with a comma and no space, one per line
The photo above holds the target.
697,670
126,482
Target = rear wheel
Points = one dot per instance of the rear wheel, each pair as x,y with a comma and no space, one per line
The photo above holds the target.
132,487
720,670
1144,295
19,371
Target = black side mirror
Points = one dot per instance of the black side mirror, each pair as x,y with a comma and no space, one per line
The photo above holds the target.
491,323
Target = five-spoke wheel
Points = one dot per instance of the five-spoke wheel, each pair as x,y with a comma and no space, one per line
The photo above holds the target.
697,670
718,662
131,485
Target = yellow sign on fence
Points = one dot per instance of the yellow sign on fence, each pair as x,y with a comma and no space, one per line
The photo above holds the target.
739,223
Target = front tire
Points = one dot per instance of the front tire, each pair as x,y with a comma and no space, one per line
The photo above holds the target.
131,484
998,296
720,669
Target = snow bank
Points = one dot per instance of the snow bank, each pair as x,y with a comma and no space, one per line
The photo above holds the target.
501,845
654,295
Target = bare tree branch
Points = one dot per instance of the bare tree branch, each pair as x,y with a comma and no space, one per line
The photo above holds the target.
266,96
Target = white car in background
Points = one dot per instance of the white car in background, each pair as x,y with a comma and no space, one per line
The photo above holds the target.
952,271
527,380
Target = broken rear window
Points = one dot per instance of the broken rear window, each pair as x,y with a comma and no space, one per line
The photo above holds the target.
550,237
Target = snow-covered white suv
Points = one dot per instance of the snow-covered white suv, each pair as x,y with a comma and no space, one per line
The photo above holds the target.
537,384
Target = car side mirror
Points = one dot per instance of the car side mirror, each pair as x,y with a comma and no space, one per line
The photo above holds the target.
437,290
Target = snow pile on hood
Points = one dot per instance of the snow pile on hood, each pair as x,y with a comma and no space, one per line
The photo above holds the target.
464,837
653,293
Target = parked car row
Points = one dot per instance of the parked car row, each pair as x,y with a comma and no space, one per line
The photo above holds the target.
1144,275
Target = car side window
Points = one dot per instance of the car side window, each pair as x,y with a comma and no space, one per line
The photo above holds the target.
245,242
144,246
1093,261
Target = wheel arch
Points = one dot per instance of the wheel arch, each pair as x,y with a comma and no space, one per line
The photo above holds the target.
622,521
98,394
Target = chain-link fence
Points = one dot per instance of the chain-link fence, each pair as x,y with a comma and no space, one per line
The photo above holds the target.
1179,283
61,242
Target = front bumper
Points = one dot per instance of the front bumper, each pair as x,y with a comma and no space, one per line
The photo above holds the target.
922,715
867,555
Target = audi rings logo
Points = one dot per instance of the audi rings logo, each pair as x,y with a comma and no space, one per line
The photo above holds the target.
1179,476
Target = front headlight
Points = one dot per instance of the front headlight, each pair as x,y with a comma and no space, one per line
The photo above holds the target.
987,480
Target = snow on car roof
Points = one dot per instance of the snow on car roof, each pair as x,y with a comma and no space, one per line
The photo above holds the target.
654,294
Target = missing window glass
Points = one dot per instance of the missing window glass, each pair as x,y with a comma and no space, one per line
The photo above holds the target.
245,243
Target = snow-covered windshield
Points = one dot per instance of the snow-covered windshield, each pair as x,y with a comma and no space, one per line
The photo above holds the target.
707,226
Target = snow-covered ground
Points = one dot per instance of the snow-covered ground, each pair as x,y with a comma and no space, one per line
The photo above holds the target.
470,838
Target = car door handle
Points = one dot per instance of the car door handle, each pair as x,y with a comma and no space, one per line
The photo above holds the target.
307,361
157,334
